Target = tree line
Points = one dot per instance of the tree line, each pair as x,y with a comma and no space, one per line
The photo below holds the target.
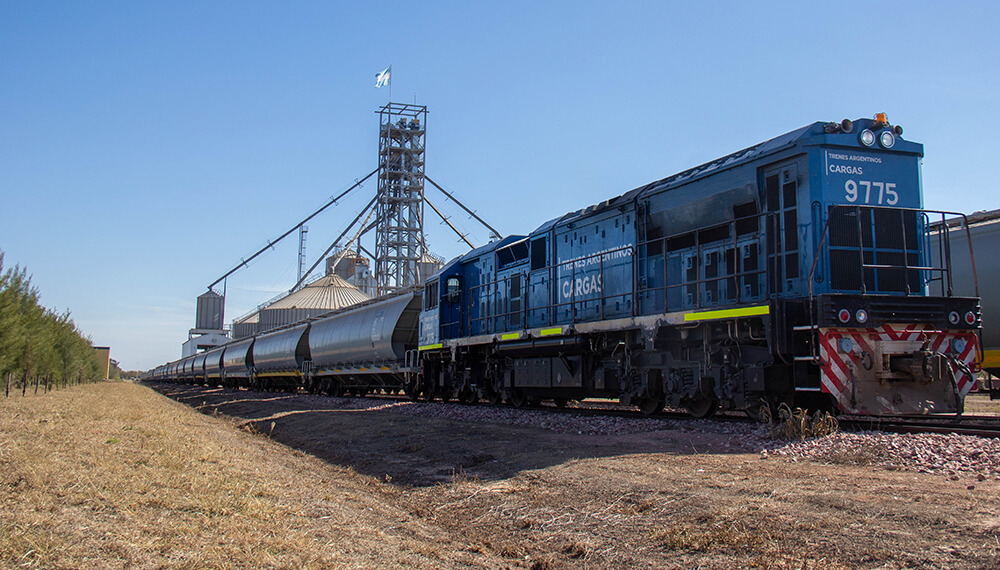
39,347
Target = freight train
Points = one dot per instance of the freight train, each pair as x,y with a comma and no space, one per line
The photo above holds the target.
803,269
984,230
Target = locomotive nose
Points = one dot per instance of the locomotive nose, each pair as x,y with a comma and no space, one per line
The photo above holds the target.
919,366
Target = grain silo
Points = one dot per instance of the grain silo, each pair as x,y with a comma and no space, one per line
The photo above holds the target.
321,296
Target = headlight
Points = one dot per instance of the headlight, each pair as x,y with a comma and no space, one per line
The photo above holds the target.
953,317
886,139
867,137
844,315
861,316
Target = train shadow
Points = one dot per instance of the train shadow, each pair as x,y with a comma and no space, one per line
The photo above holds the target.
420,444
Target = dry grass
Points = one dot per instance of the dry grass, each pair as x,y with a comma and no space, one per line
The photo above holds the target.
113,475
799,424
980,404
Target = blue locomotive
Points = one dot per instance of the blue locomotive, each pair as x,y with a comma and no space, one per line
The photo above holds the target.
796,270
802,270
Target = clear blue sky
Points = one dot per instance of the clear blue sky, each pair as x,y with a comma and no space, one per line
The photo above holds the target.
145,147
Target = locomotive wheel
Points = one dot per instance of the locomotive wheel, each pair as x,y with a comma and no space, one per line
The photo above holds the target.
760,412
412,388
702,407
518,399
493,397
336,389
651,406
427,393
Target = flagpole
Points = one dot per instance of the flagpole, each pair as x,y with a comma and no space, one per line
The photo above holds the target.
390,84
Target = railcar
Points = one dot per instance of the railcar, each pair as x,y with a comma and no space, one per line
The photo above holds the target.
369,347
198,368
984,231
237,364
186,370
365,348
278,358
796,270
213,366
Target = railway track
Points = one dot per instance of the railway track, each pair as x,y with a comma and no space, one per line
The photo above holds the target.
981,426
975,425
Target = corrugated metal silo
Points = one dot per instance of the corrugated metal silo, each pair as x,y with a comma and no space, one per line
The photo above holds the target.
211,311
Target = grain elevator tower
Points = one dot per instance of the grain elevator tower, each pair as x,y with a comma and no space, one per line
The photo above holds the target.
399,232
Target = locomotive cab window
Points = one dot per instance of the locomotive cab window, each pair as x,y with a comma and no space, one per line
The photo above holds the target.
746,218
781,224
513,254
431,295
539,257
515,286
452,289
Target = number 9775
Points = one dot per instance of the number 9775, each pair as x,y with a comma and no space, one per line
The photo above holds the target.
873,192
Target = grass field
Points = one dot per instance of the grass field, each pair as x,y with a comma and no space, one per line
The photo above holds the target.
980,404
115,476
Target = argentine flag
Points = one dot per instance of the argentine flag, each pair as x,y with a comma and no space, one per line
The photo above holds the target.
384,77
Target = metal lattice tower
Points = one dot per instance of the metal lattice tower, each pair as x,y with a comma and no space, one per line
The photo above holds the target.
303,231
399,233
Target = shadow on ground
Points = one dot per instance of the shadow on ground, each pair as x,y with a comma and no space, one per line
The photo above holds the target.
418,450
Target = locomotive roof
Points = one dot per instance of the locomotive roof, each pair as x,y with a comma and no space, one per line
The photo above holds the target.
475,253
727,161
730,160
815,131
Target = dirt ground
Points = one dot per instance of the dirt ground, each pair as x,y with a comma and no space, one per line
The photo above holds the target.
269,480
665,499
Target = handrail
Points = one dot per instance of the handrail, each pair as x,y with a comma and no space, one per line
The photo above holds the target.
737,277
493,292
497,318
944,268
